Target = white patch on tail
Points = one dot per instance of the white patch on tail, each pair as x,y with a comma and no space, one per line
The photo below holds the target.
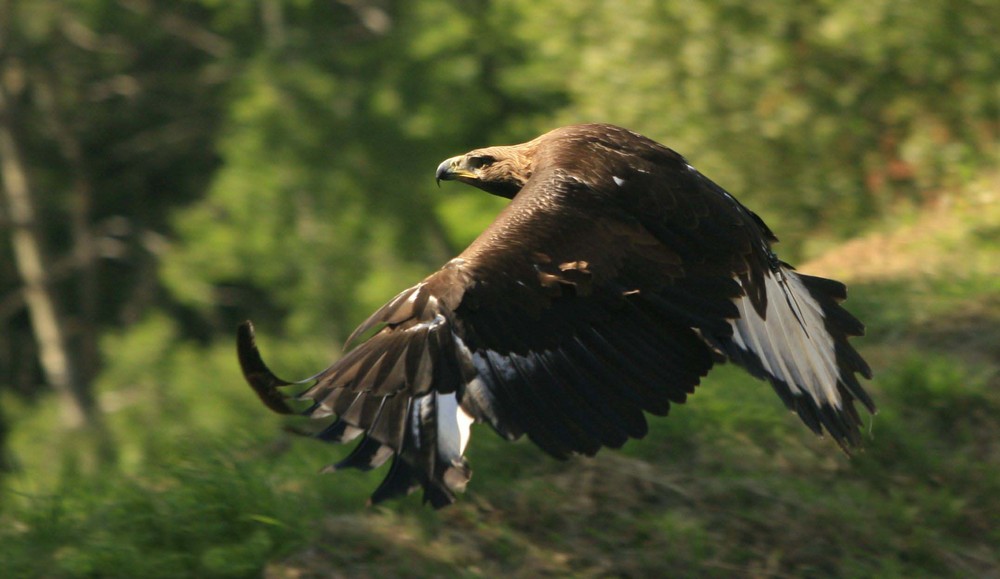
791,341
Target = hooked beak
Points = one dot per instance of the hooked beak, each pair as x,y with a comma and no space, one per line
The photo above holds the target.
453,168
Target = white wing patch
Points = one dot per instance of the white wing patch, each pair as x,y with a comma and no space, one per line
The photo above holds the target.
618,180
791,342
453,426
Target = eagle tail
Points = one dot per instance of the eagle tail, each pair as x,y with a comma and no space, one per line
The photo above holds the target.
799,342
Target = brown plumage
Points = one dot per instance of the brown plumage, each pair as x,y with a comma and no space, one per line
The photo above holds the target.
610,284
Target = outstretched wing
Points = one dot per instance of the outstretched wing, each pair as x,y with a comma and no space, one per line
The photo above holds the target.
790,328
548,334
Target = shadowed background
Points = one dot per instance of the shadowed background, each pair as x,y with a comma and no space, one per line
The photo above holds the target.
170,169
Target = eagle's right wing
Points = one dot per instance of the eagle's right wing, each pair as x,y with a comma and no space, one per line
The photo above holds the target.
548,325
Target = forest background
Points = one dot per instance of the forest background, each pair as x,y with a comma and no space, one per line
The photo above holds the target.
171,168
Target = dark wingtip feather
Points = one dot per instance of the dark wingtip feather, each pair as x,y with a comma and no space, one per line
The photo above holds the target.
438,497
367,455
257,374
401,481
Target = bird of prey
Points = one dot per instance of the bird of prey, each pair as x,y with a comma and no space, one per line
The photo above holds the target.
609,285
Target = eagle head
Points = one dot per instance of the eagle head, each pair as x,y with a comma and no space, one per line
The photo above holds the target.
500,171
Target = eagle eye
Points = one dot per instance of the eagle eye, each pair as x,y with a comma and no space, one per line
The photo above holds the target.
479,161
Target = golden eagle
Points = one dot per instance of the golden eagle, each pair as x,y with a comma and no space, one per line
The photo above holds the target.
608,286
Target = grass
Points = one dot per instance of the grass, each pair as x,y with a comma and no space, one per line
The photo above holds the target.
208,516
728,485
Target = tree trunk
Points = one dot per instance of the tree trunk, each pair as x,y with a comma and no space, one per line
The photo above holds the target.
49,329
84,341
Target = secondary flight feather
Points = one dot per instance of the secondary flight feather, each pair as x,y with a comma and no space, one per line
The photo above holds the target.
607,288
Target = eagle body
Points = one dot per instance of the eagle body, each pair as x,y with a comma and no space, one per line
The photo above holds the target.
609,285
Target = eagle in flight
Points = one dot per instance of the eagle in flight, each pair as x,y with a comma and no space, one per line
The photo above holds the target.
609,285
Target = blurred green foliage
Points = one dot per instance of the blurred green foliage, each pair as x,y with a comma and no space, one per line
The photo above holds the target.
273,160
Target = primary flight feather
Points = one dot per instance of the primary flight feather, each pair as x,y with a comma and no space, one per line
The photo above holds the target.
609,285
